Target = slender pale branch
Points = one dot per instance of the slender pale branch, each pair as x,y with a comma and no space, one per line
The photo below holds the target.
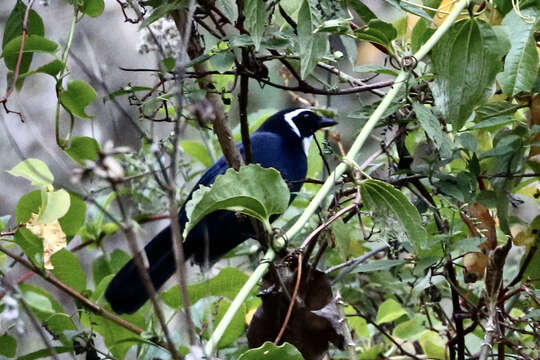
239,301
333,177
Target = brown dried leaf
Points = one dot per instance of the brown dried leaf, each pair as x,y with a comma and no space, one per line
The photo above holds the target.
54,238
314,322
475,262
481,224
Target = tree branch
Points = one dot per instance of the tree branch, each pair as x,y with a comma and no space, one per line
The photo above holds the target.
221,127
50,278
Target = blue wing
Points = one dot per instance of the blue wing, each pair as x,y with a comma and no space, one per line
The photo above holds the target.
213,236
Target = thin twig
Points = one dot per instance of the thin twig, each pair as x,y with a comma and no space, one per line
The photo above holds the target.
177,239
301,251
389,337
129,232
456,309
50,278
4,98
293,299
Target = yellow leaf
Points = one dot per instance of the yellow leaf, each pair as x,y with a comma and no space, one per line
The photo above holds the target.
445,7
54,239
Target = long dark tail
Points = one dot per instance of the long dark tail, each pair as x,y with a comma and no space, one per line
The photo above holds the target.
126,292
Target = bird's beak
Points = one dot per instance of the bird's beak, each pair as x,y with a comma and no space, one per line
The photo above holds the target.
326,122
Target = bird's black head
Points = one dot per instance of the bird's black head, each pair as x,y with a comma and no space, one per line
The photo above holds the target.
296,121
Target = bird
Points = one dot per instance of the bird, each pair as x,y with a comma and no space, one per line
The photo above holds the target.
281,142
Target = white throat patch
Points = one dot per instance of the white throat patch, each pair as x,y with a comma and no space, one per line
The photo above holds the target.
289,119
306,142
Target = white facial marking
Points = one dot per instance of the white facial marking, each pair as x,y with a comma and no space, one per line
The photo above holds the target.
306,142
289,119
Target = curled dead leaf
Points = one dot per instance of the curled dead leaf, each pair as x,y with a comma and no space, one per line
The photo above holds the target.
315,320
475,262
52,235
481,224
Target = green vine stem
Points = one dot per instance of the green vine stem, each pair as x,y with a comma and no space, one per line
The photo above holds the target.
336,174
59,142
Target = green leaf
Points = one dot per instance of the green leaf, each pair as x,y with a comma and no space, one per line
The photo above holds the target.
433,345
117,339
107,265
465,62
32,44
58,323
68,269
46,353
223,61
53,68
28,204
379,265
494,122
253,191
521,62
373,68
468,244
14,23
8,346
506,145
162,10
385,200
54,205
410,329
255,13
334,26
34,170
495,109
236,327
420,33
372,353
357,323
378,32
362,10
78,95
31,245
467,141
389,310
269,351
74,218
38,301
93,8
410,8
169,63
13,28
433,129
533,271
311,46
197,151
83,148
227,284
